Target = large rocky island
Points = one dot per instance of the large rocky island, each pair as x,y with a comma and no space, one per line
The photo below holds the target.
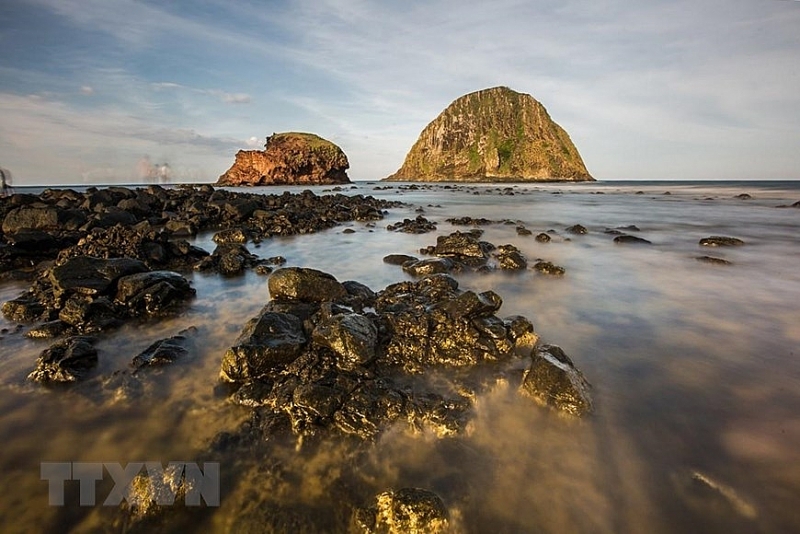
289,158
493,135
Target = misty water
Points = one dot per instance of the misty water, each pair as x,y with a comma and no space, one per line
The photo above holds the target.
694,367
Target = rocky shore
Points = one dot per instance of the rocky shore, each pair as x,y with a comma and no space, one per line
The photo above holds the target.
325,361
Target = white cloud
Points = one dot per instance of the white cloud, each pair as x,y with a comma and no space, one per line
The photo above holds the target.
86,90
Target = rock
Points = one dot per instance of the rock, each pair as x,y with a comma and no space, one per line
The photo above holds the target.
405,511
521,230
493,135
153,292
461,245
267,343
289,159
720,241
68,360
307,285
23,309
231,235
577,229
713,261
743,196
49,330
420,225
510,258
398,259
429,266
86,275
351,336
47,218
543,238
552,380
230,259
546,267
631,240
89,315
163,352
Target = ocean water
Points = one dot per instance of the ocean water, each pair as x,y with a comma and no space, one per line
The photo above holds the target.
695,370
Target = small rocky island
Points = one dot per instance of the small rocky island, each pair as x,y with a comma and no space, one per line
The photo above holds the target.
493,135
289,158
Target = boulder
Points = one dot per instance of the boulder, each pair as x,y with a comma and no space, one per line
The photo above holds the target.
153,292
721,241
307,285
351,336
68,360
552,380
87,275
163,352
267,343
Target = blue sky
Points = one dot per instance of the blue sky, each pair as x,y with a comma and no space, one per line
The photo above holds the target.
652,89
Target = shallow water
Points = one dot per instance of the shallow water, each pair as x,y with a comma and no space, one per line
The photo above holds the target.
695,369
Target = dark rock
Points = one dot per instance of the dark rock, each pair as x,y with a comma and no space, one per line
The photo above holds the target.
90,315
68,360
351,336
231,235
743,196
408,510
470,221
712,260
720,241
577,229
420,225
631,240
153,292
543,238
546,267
163,352
510,258
429,266
23,309
86,275
308,285
552,380
49,330
47,218
267,343
460,244
521,230
113,215
398,259
180,228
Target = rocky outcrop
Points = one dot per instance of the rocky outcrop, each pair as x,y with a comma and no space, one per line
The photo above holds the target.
493,135
289,159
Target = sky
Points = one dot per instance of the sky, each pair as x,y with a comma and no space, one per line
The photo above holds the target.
95,91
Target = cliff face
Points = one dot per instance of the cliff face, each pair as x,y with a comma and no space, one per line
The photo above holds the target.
289,159
493,135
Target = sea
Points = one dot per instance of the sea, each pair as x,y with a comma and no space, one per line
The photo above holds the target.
694,367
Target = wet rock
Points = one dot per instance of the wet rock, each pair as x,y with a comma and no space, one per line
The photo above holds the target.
230,259
113,215
231,235
577,229
45,218
713,260
461,245
743,196
23,309
68,360
419,225
304,284
398,259
470,221
510,258
552,380
164,351
631,240
154,292
86,275
89,315
721,241
429,266
521,230
351,336
546,267
50,329
408,510
543,238
267,343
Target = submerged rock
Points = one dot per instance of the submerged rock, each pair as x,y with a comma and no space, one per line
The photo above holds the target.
546,267
631,240
721,241
420,225
713,260
68,360
164,351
